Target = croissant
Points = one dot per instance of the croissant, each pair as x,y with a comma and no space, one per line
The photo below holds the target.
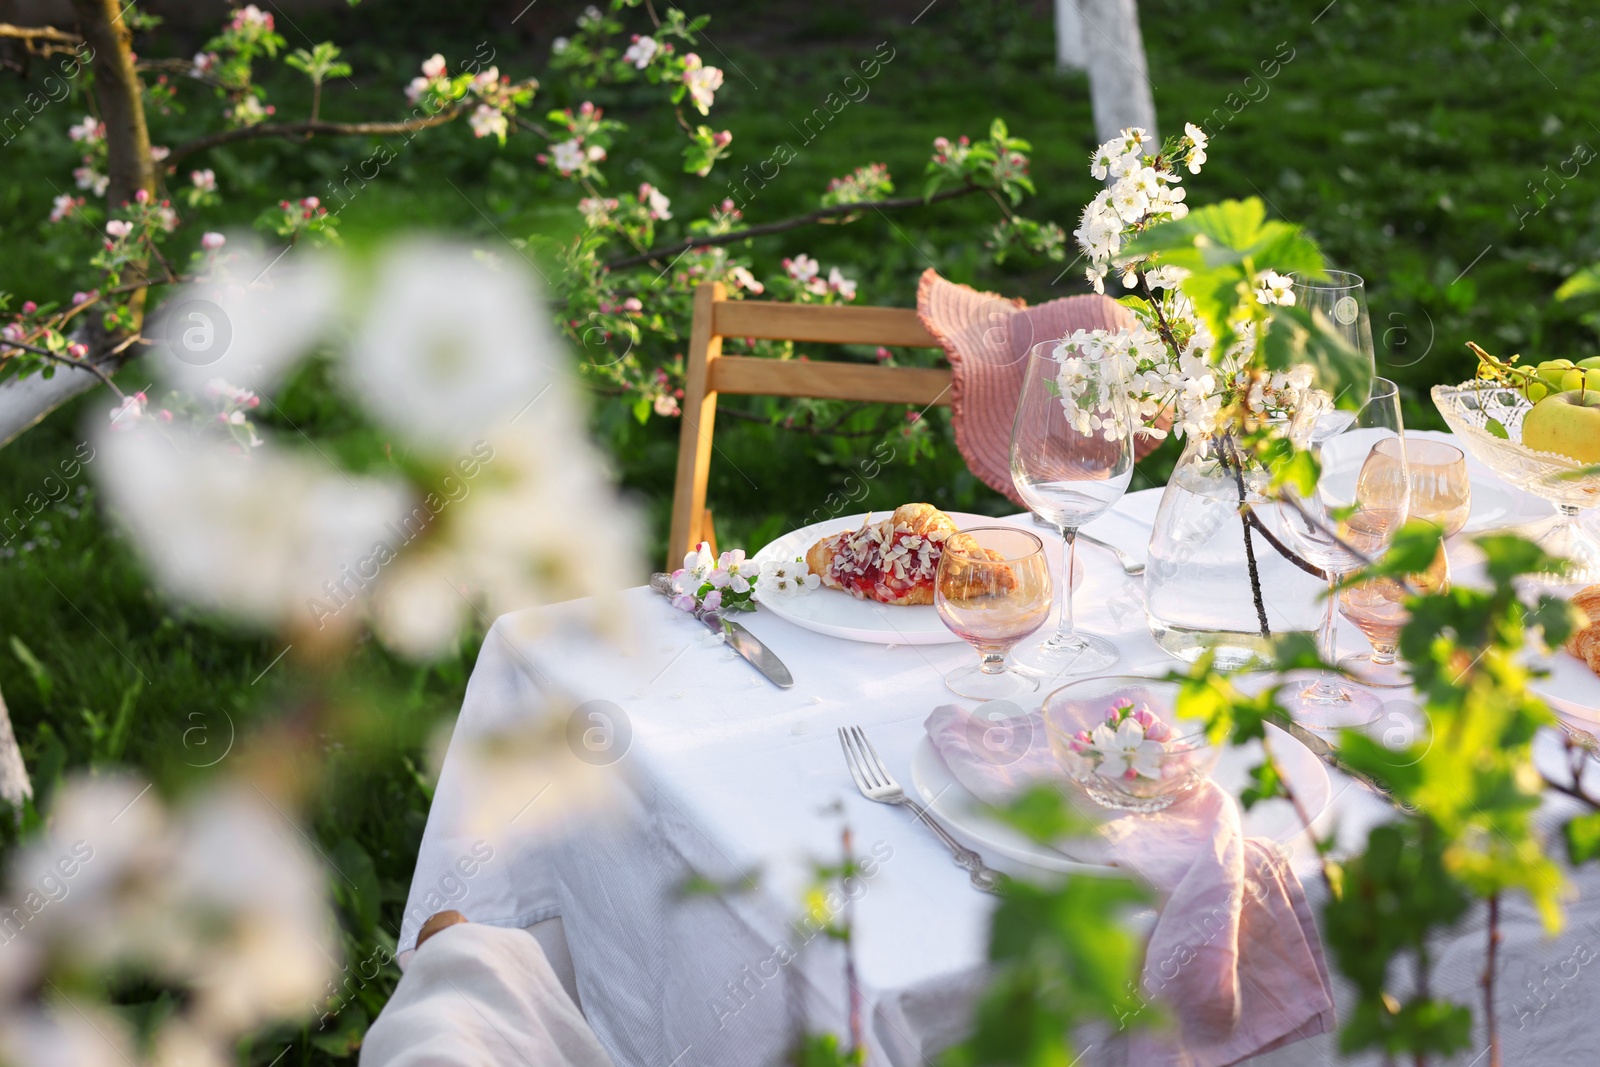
1585,643
896,560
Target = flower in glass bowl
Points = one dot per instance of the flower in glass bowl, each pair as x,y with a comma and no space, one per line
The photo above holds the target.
1109,739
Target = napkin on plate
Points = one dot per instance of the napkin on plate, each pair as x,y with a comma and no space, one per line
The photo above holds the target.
1234,955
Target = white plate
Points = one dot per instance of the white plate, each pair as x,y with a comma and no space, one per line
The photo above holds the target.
967,817
1572,688
838,614
1496,504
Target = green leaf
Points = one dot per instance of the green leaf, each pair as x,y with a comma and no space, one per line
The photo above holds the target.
1507,556
1497,428
355,885
1584,283
1045,815
1295,338
1583,838
1264,785
36,670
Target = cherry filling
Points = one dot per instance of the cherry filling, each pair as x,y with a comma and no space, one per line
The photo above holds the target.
875,564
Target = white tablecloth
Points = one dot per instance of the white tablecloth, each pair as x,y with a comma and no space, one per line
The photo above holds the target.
725,774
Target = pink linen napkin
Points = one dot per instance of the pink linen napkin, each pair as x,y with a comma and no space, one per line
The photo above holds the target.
1234,956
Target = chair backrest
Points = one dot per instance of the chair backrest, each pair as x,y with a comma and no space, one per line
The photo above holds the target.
709,373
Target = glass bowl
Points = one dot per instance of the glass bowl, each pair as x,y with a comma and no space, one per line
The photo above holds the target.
1122,768
1469,410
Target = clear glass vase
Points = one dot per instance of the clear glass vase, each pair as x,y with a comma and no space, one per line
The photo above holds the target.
1219,576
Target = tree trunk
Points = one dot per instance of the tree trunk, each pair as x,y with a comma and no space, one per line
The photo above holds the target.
14,785
1119,77
1070,51
119,97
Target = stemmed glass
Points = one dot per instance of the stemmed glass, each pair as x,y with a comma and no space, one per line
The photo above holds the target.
1339,301
1441,493
1071,460
1361,500
992,590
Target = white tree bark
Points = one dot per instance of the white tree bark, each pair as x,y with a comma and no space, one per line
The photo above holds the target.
14,784
24,402
1070,52
1119,76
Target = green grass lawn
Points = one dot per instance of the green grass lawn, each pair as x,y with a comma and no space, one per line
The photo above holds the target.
1416,141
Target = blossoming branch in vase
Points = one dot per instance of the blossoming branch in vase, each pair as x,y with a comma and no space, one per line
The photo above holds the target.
1170,357
1128,745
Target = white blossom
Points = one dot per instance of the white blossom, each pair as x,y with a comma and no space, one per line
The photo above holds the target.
1275,288
641,52
783,578
568,156
488,121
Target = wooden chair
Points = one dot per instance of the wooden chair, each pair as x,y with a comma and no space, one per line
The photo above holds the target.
710,373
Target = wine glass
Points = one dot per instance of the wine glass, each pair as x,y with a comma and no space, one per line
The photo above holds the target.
1377,608
1360,501
1441,487
1339,301
992,590
1441,493
1071,460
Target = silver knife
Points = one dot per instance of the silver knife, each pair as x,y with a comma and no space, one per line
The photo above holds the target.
1325,752
739,639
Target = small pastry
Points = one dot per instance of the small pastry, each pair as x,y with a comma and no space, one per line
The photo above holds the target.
1585,643
892,561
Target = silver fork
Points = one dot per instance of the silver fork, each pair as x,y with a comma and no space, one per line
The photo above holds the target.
876,783
1582,738
1130,566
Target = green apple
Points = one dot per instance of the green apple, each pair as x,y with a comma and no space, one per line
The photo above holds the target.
1567,424
1592,363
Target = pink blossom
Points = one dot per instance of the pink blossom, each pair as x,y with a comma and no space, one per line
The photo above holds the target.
722,138
684,602
159,152
64,205
633,304
433,66
142,196
81,297
802,268
666,405
702,82
212,241
29,307
204,180
838,283
744,279
713,600
1158,731
119,227
12,332
77,350
89,131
